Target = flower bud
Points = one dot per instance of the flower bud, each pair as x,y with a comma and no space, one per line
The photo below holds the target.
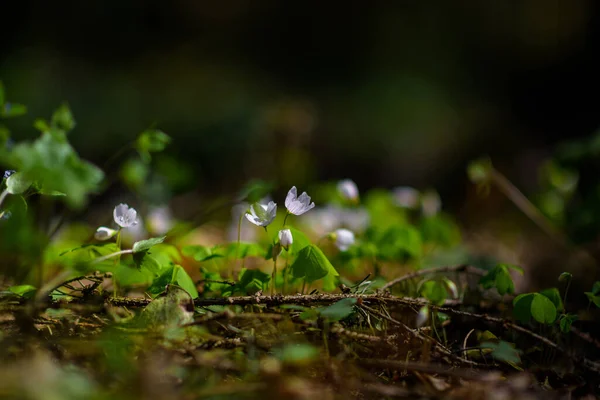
104,233
285,238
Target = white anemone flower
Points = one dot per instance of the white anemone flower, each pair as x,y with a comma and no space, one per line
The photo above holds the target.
422,316
104,233
344,238
406,197
348,190
125,216
160,220
285,238
298,205
262,214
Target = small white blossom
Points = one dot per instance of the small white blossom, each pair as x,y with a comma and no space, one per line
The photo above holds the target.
343,239
124,216
262,214
406,197
422,316
348,190
285,238
298,205
160,220
104,233
452,288
431,204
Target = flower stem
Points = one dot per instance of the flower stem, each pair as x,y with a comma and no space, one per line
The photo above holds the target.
273,276
286,217
239,239
3,196
111,255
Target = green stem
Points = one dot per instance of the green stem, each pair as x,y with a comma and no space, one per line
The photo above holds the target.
285,219
284,272
111,255
3,196
303,286
273,276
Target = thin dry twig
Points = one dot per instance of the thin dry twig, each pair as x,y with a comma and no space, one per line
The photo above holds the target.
436,270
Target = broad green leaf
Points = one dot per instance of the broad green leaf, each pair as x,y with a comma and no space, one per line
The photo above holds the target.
144,245
41,125
63,118
513,267
55,166
522,307
134,173
504,282
252,280
339,310
434,291
503,351
596,288
25,291
174,274
440,230
542,309
554,295
400,242
17,183
298,354
201,253
173,309
143,260
311,264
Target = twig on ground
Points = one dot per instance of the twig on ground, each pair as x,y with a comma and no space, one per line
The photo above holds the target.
437,270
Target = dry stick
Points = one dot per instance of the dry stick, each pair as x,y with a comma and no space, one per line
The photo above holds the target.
424,368
591,365
418,335
292,299
436,270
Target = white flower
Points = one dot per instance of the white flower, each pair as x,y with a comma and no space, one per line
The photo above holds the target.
406,197
356,219
160,220
348,189
431,203
104,233
343,239
298,205
262,214
285,238
124,216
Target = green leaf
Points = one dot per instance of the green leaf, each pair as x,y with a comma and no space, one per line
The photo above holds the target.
169,311
143,260
63,118
144,245
298,354
596,288
252,280
202,253
542,309
300,242
503,351
593,298
434,291
11,110
175,274
41,125
566,320
554,296
500,278
151,141
339,310
25,291
55,166
565,277
134,173
522,307
513,267
311,264
17,183
480,171
400,242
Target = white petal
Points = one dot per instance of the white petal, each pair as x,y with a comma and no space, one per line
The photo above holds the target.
291,196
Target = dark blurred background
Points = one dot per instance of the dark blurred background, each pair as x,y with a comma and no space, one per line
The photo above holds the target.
386,93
